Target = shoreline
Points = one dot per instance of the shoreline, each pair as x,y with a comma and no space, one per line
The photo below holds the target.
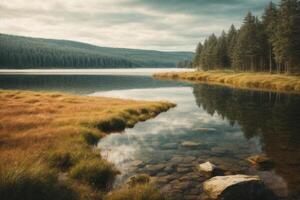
240,80
49,139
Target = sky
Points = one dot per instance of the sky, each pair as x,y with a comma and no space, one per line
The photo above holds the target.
168,25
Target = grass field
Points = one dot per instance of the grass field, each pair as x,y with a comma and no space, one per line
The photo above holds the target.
47,143
264,81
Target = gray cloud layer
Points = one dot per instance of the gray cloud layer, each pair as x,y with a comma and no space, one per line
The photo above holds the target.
148,24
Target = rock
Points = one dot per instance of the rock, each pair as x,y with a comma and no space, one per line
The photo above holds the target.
137,163
154,169
138,179
207,167
170,146
204,129
164,179
160,174
169,169
189,159
210,169
166,189
234,187
261,161
190,144
182,185
219,150
177,159
191,197
183,169
157,167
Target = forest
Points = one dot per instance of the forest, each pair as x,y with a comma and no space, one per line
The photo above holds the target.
24,52
270,43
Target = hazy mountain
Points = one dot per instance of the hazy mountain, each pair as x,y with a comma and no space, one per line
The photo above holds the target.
25,52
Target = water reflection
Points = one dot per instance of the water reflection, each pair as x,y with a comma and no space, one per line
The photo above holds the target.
80,84
227,126
273,117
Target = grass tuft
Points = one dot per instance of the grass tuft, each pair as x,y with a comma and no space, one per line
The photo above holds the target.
90,138
112,125
138,192
98,173
139,180
21,183
60,160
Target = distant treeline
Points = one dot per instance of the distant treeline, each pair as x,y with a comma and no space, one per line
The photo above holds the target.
22,53
25,52
271,43
185,64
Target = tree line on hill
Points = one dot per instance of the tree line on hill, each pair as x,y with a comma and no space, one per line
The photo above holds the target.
25,52
270,43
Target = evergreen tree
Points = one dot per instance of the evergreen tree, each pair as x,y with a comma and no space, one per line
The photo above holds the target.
270,26
222,56
287,41
196,60
249,48
231,41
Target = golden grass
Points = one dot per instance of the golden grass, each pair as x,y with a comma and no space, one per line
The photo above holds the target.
138,192
246,80
57,130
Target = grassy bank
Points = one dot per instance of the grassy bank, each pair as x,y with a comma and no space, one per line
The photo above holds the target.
264,81
47,140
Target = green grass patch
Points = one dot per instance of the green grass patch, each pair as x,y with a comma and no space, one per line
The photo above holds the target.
138,192
90,138
23,184
61,160
98,173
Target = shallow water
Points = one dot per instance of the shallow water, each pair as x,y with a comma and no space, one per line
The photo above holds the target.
228,125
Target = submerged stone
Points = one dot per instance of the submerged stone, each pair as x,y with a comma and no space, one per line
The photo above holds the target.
210,169
138,180
261,161
234,187
207,167
170,146
204,129
154,169
191,144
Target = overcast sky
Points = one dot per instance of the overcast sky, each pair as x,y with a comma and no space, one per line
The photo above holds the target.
175,25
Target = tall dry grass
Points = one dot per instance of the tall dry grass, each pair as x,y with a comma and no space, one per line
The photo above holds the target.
57,131
249,80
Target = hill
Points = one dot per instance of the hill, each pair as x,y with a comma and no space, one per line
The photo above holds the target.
19,52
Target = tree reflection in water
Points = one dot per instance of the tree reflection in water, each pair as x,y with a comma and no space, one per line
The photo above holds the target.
273,117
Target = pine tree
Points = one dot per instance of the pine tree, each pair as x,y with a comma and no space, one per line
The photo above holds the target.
287,41
212,52
270,26
231,41
249,49
222,56
196,60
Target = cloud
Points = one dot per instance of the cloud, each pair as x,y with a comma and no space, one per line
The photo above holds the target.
175,25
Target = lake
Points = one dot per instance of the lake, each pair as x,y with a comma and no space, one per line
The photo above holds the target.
228,125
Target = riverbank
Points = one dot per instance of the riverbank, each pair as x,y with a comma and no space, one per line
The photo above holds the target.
47,143
244,80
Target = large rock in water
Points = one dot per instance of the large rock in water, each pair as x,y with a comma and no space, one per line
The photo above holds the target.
234,187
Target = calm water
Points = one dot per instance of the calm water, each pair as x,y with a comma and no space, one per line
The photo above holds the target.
228,124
